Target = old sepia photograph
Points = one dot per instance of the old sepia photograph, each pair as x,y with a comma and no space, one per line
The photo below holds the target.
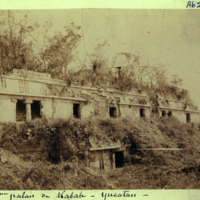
96,99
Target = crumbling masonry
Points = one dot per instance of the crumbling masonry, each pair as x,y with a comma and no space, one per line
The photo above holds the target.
26,95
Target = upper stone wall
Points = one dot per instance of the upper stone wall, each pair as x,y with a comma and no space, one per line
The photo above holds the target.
176,104
29,83
25,74
23,82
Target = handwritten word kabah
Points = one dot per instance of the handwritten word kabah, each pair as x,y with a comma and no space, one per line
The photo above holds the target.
63,195
21,196
191,4
123,194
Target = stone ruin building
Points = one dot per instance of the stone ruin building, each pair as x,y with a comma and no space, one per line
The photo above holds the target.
184,111
25,95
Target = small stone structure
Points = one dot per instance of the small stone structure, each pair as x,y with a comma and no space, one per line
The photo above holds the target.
106,158
106,155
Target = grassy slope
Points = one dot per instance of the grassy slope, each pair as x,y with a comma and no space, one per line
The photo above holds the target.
154,169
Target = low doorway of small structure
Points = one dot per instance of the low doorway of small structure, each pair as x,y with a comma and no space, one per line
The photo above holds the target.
119,159
20,111
35,110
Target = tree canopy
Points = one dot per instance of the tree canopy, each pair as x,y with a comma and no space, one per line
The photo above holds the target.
20,49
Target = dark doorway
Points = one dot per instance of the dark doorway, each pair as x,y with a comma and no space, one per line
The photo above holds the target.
35,110
163,113
20,111
169,113
112,112
76,110
188,118
119,159
142,112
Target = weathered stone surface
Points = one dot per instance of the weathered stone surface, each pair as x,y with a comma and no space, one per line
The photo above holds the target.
57,99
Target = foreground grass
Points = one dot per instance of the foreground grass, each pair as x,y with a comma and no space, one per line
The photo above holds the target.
25,175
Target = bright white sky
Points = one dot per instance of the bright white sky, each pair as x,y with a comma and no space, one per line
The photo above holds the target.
169,37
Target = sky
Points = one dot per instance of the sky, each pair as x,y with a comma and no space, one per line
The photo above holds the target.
167,37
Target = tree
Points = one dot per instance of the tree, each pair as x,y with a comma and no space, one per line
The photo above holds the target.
99,59
16,50
97,74
58,52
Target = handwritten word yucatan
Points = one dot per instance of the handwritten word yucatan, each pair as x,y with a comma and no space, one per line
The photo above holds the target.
106,195
191,4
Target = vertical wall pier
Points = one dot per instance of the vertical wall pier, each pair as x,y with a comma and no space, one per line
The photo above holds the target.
28,103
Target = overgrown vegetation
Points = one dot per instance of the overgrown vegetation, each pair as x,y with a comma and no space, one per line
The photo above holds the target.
53,53
44,154
71,135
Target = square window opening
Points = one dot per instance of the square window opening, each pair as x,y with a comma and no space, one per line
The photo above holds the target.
35,110
112,112
76,110
188,119
142,112
20,111
169,113
163,113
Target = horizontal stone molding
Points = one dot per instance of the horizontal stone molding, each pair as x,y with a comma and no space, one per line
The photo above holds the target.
51,82
43,96
131,104
102,148
172,100
185,111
